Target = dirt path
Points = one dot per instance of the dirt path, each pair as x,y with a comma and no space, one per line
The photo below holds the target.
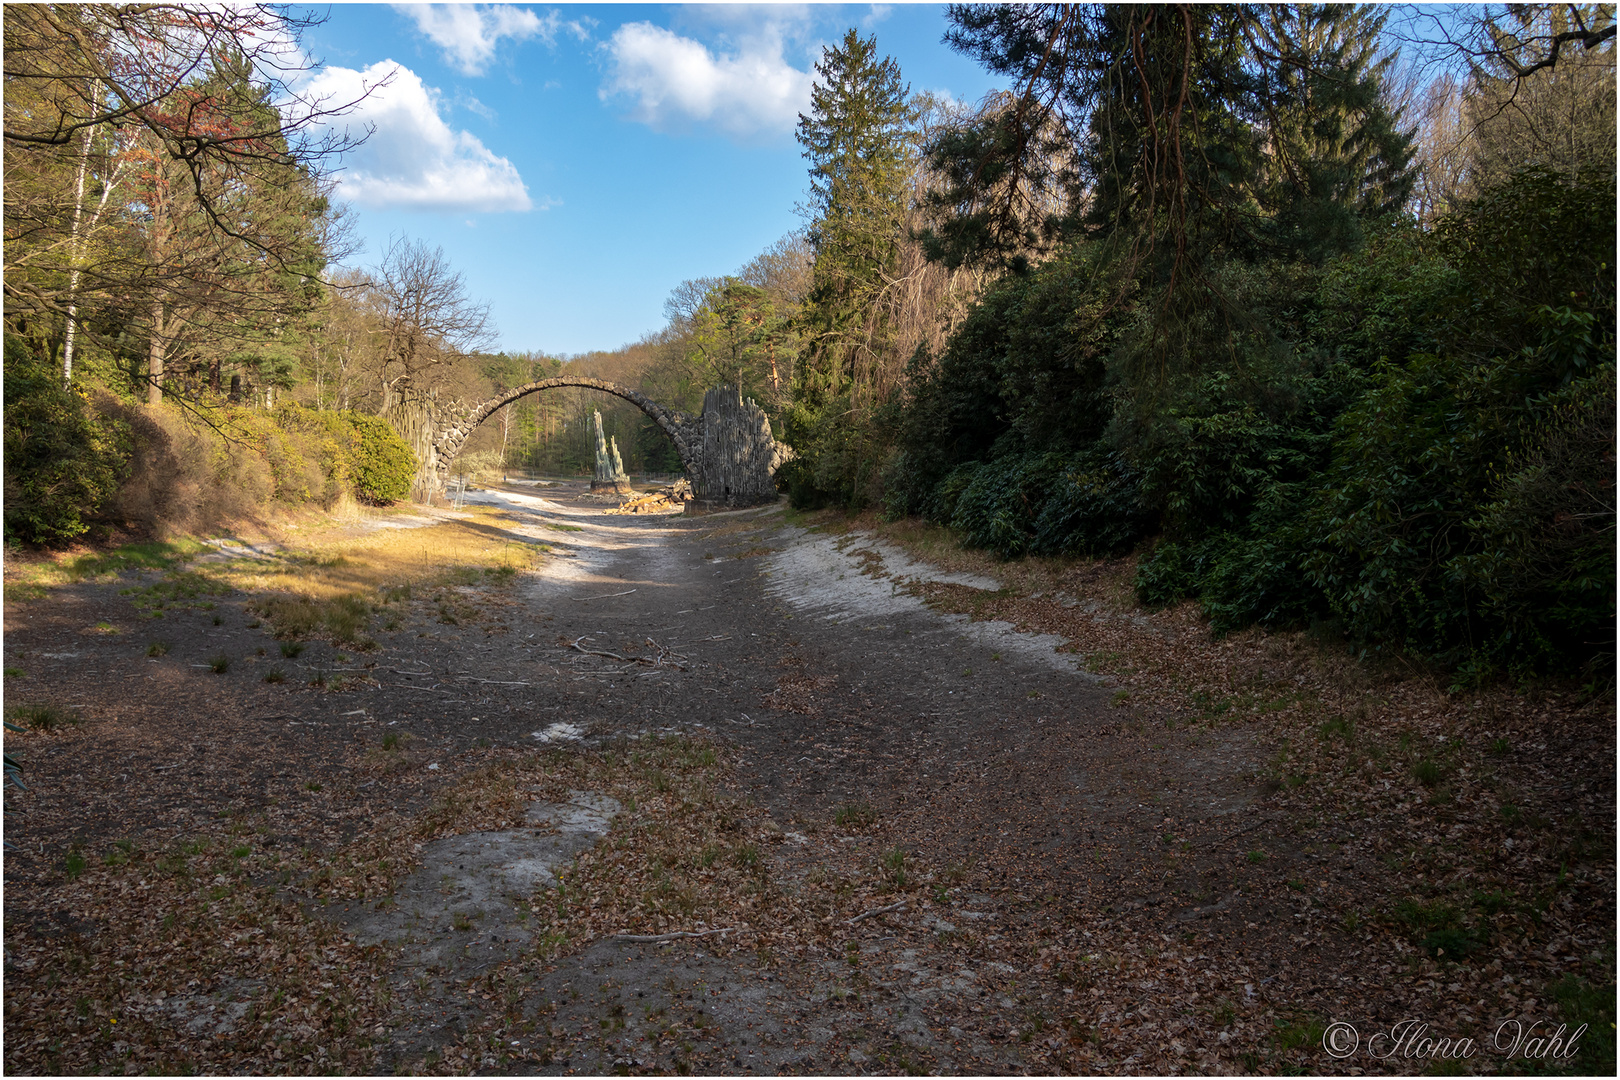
971,852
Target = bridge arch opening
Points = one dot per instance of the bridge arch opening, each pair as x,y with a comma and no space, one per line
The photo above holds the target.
683,430
728,451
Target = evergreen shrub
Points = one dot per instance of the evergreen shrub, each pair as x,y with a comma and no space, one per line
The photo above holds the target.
62,467
382,462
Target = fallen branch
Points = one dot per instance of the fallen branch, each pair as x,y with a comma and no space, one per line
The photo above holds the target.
654,661
874,911
649,939
591,652
492,682
604,596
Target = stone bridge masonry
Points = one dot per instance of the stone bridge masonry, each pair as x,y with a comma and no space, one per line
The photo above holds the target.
728,452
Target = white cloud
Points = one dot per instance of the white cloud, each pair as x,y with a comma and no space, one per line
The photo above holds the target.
876,14
413,159
469,33
673,79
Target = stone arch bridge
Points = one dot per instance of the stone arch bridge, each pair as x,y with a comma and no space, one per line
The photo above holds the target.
728,451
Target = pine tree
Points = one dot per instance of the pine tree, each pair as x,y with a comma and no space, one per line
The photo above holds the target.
858,141
1335,154
1180,131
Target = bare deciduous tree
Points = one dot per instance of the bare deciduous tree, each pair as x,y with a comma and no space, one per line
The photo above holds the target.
426,325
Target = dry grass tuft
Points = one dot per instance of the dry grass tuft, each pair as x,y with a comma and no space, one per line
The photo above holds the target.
332,587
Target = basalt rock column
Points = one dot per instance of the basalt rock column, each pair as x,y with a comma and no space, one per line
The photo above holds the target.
739,453
610,474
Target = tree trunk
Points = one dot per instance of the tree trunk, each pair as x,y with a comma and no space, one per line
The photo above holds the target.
154,357
73,259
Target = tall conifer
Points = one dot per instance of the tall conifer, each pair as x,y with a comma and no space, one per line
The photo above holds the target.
857,138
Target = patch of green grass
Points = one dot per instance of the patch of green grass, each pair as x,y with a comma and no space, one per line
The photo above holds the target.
74,863
158,648
344,618
106,628
855,815
558,527
1499,747
894,861
1120,698
1452,943
1338,727
1098,662
1428,772
15,673
1439,929
1257,856
292,649
275,675
1581,1002
151,555
180,589
220,664
1302,1033
41,717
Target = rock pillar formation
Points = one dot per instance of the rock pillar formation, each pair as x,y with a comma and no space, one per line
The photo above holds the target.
609,468
740,455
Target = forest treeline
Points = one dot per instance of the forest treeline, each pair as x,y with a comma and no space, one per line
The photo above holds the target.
1313,313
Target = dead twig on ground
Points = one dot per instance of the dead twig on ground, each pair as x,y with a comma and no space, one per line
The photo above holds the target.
664,655
650,939
874,911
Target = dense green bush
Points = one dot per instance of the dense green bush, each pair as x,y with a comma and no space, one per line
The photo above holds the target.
839,453
61,466
382,462
1448,476
1414,438
1096,508
999,506
1468,513
358,453
1024,373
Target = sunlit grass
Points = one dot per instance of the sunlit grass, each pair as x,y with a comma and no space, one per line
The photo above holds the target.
31,581
453,553
332,587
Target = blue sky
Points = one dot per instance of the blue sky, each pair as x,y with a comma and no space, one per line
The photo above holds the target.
577,162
